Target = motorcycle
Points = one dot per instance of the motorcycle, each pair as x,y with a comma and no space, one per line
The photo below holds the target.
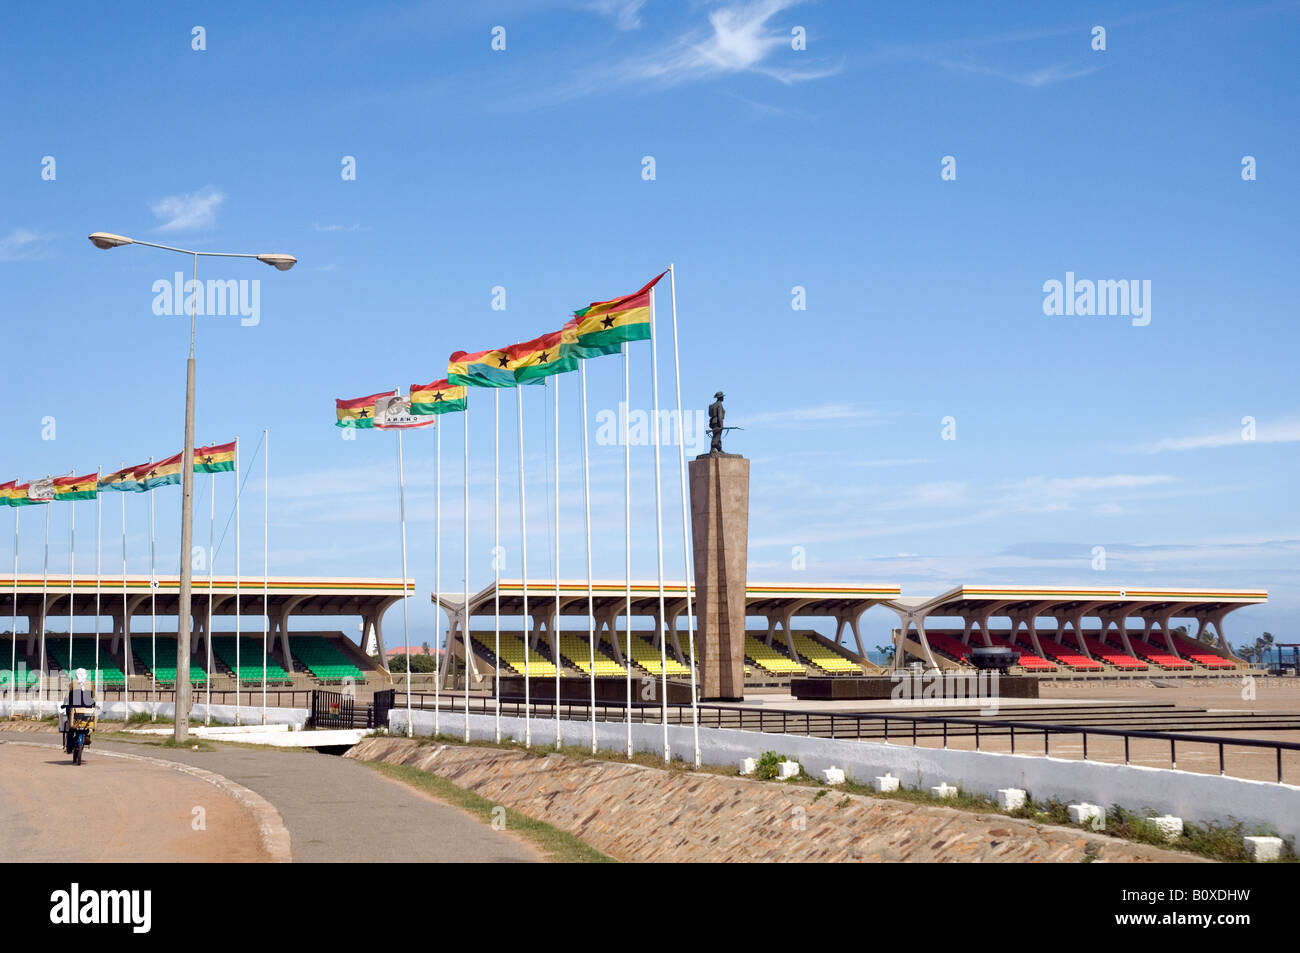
81,722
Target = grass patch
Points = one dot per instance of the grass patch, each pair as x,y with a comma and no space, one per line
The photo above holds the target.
556,846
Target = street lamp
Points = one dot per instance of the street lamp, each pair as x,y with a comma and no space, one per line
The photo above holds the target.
108,240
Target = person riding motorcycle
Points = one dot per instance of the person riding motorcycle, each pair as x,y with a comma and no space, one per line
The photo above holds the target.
80,696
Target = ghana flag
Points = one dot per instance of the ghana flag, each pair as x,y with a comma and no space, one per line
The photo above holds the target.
359,411
69,489
19,494
7,491
541,357
215,459
440,397
613,322
481,369
161,473
124,481
569,341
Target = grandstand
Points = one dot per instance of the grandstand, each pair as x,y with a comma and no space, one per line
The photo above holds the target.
576,650
165,672
1109,646
246,664
769,659
83,656
322,658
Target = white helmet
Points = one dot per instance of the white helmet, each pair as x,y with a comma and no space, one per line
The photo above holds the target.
81,675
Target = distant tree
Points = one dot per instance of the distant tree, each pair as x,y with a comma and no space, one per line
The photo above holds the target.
887,651
425,646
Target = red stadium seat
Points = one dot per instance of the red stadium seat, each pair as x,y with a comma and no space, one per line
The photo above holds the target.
1113,656
1200,654
1159,656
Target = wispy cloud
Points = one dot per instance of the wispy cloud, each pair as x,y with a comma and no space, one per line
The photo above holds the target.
1034,78
626,14
316,227
738,39
801,416
1287,431
193,211
22,244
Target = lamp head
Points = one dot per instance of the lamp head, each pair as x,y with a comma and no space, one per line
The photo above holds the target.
108,240
279,262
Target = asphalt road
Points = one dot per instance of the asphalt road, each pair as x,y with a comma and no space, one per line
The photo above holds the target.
335,810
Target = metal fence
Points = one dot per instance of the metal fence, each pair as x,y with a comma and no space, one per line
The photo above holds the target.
1025,737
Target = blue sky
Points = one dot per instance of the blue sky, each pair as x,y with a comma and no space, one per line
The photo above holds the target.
774,168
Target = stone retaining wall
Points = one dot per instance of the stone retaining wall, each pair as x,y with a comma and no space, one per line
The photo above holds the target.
637,813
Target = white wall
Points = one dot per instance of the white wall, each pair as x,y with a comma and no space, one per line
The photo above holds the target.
1195,797
296,718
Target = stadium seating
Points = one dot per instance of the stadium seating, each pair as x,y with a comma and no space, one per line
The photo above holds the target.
949,645
1113,656
821,656
1030,660
249,670
323,658
27,678
646,655
1071,658
769,659
143,649
1200,654
1157,655
83,656
576,650
513,650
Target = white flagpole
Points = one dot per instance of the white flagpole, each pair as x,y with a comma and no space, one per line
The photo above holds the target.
128,664
523,564
239,492
266,556
72,579
555,625
13,625
406,615
496,546
212,555
153,614
99,562
686,537
659,530
437,582
45,597
627,536
464,625
591,604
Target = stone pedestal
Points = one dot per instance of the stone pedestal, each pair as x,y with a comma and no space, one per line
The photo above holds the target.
720,530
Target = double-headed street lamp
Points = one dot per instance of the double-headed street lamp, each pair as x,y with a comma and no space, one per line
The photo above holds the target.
281,263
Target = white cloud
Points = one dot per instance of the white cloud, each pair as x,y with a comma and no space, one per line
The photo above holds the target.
1034,79
626,14
823,413
1287,431
737,40
190,212
22,244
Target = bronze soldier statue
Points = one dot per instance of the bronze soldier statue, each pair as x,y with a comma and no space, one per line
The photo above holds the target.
717,414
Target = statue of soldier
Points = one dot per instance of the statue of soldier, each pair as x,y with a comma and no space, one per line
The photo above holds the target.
717,414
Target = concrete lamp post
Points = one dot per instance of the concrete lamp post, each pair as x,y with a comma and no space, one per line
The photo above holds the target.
108,240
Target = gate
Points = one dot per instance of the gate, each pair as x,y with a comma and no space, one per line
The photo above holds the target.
336,710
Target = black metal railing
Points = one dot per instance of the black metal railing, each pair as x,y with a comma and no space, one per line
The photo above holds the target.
865,726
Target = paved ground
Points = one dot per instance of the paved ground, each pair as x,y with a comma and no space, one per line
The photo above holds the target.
334,809
115,809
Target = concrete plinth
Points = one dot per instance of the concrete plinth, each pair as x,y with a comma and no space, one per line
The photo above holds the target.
720,527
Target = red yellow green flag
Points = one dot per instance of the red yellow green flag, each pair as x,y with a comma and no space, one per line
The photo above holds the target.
440,397
569,341
359,411
72,488
20,494
161,473
124,481
7,492
541,357
219,458
481,368
618,320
